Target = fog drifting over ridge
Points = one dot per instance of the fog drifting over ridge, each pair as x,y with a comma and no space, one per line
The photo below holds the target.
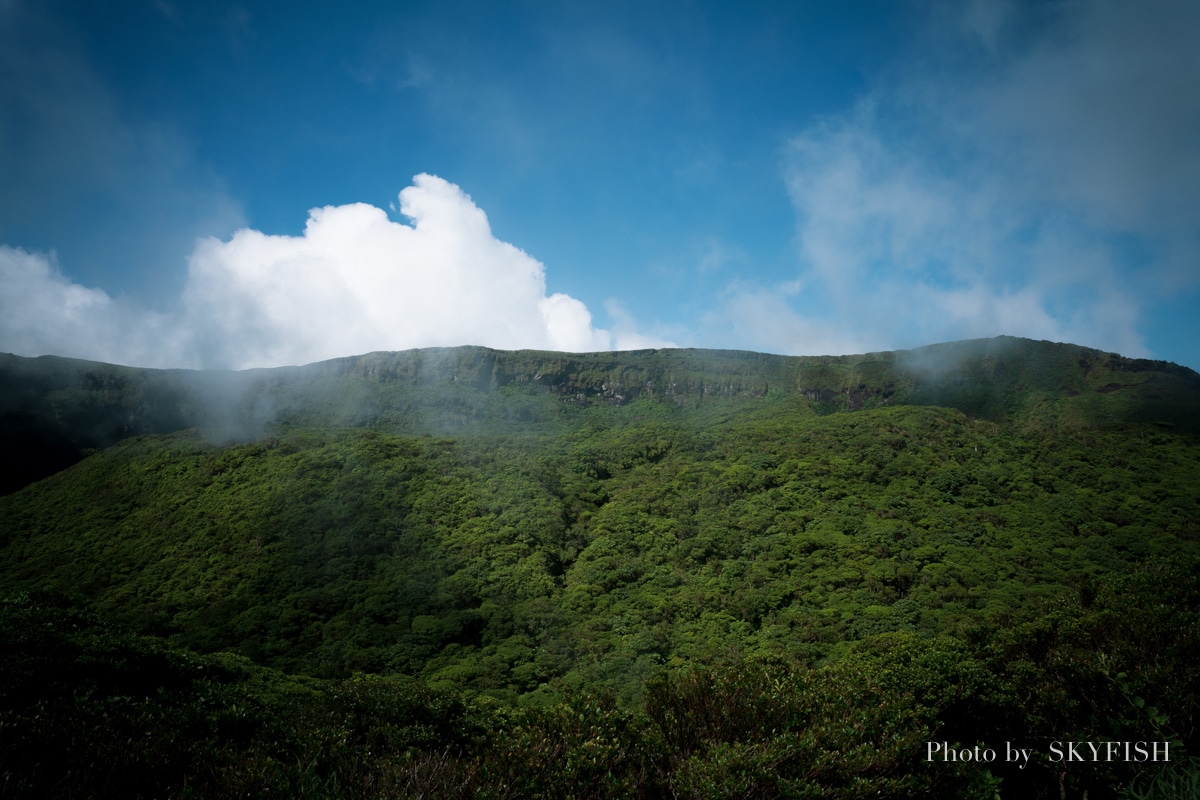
354,282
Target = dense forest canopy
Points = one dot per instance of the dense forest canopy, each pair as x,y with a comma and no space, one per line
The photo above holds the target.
54,409
659,573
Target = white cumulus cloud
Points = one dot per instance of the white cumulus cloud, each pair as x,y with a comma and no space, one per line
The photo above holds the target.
354,282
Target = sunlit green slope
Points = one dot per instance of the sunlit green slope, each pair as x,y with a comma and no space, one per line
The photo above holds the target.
513,564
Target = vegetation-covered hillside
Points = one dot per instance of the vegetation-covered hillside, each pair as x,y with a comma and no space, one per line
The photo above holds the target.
55,410
660,574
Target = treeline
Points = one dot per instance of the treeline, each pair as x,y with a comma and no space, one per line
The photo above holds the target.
88,709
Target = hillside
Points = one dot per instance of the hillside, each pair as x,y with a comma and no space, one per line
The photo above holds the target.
460,559
691,571
54,410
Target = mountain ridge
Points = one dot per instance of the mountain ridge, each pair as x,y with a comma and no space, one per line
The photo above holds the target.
54,410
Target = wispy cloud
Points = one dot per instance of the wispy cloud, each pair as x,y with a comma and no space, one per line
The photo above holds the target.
626,335
1043,185
354,282
43,312
762,319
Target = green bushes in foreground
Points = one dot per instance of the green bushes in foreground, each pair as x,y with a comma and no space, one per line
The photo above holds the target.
87,710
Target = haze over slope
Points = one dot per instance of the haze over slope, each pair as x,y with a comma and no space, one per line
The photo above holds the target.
53,409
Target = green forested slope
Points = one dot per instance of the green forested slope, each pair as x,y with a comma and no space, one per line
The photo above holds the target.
504,563
668,574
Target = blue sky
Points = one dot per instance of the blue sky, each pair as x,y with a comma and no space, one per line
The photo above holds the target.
235,185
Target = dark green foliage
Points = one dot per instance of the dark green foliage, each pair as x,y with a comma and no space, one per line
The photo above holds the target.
853,729
1119,661
464,573
1173,782
90,710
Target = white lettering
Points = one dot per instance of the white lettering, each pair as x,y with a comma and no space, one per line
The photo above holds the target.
1016,754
